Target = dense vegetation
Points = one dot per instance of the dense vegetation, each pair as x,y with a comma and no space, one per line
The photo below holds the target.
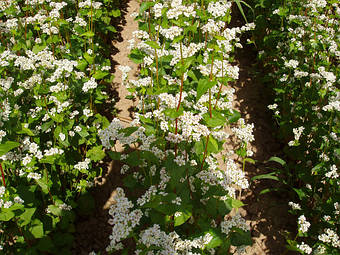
298,43
53,77
182,189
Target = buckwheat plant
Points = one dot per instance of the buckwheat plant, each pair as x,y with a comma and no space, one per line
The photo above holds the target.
301,51
52,82
185,188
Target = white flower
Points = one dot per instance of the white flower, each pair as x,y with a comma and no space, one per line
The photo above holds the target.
62,136
294,206
303,224
90,84
305,248
35,176
8,204
2,190
18,200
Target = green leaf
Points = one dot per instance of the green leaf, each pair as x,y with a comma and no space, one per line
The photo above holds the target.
240,237
225,206
112,29
45,244
277,160
236,203
136,57
302,195
114,155
96,153
100,75
37,48
144,6
250,160
216,241
153,45
48,159
216,120
266,176
234,117
128,131
134,159
7,146
115,13
264,191
238,2
6,214
88,34
220,38
37,229
26,216
89,58
55,210
199,147
129,181
177,39
203,86
173,113
83,133
212,145
182,217
43,185
25,130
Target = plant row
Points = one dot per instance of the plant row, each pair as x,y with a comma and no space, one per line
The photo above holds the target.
53,78
299,48
181,187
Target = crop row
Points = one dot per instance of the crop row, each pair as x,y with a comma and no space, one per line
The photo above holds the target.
53,78
299,49
181,188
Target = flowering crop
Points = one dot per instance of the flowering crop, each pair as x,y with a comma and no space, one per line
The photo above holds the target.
187,190
52,82
300,47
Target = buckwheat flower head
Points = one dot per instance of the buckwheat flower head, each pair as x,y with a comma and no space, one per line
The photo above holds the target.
157,9
294,206
8,204
18,200
303,224
35,176
219,8
305,248
83,165
235,221
333,173
2,191
90,84
331,237
62,136
292,63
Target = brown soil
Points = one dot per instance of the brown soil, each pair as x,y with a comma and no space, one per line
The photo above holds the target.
267,214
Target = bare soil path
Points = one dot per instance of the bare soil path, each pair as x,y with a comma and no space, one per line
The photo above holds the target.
267,213
93,230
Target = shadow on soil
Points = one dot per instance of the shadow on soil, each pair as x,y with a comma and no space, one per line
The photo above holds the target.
92,230
268,212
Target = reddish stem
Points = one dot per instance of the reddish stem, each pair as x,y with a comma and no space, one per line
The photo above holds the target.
205,152
3,175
